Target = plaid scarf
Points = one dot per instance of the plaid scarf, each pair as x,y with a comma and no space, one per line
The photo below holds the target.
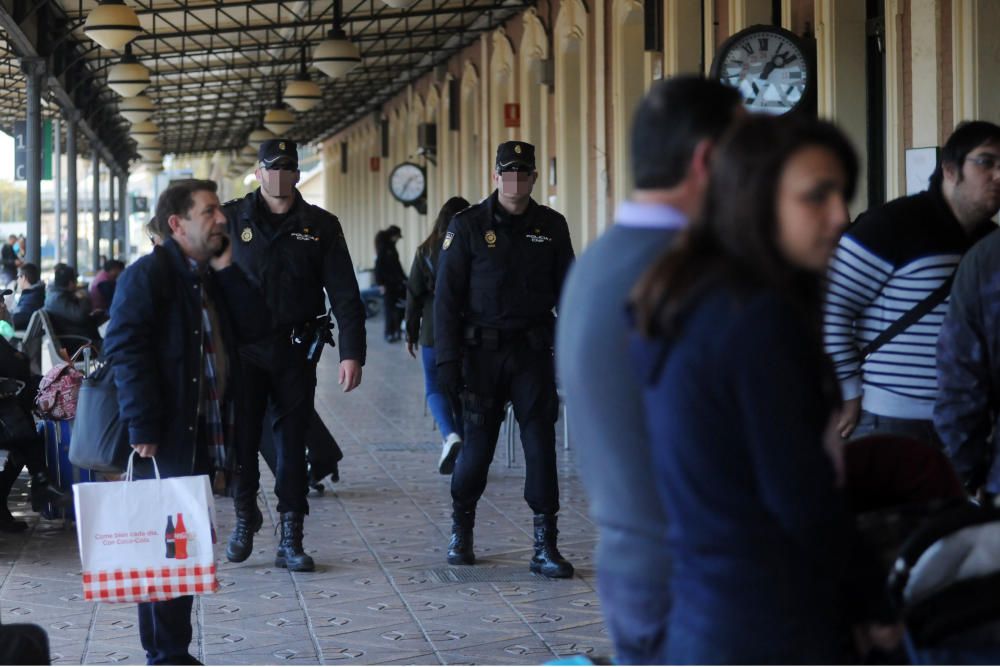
211,402
211,408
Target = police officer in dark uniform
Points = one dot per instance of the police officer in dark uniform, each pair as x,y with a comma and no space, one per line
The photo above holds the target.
294,251
501,268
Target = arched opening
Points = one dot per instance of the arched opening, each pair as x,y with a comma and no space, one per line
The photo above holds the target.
501,89
628,87
572,144
535,97
470,133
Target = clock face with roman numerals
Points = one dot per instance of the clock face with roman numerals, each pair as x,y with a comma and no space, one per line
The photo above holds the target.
767,65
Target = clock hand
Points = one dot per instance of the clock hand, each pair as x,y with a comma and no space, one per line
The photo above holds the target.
773,63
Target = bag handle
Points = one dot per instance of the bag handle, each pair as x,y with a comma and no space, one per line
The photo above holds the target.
128,470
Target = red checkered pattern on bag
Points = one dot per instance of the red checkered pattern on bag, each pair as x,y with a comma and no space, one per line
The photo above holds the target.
149,584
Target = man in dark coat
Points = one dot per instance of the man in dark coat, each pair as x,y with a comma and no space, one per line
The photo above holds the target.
178,317
32,295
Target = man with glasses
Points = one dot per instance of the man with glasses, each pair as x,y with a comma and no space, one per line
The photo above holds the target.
501,270
889,282
295,251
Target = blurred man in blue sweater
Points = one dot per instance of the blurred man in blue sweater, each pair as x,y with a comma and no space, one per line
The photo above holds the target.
673,133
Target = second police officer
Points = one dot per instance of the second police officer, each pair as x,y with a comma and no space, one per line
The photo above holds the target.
295,251
501,269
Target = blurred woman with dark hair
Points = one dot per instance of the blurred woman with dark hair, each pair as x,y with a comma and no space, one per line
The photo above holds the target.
741,401
420,331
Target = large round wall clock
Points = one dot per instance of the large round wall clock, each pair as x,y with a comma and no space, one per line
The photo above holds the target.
770,66
408,183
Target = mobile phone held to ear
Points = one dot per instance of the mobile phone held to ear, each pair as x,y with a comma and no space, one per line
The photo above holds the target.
222,250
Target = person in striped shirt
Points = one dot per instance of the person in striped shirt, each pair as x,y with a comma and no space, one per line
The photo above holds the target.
894,259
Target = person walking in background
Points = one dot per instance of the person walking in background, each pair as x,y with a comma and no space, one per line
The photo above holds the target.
889,281
9,260
501,270
445,409
178,392
741,402
391,279
674,132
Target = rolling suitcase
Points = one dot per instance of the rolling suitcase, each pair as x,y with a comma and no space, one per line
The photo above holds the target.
62,473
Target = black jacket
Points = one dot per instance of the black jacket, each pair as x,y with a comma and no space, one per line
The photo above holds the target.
498,271
32,299
420,299
293,264
71,315
154,343
388,269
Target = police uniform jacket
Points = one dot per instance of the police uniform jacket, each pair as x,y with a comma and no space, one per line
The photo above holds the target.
293,264
498,271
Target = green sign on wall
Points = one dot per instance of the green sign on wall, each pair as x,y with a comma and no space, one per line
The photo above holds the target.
21,149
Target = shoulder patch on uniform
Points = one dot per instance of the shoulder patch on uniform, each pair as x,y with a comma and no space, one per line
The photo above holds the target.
447,240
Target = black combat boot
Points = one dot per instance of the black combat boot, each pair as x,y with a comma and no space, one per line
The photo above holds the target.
460,547
249,519
43,493
547,560
290,551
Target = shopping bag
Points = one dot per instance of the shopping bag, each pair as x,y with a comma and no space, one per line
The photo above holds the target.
146,540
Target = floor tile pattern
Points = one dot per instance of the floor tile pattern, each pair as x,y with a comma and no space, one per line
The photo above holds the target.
382,592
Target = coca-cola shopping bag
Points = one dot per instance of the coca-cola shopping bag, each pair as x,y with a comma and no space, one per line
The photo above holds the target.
146,540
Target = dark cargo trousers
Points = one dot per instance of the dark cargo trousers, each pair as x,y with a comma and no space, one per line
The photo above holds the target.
514,372
291,388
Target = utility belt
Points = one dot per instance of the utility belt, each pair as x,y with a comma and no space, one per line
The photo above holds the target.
538,337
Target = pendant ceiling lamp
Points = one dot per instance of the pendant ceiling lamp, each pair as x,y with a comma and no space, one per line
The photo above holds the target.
249,153
112,24
278,118
145,133
302,93
259,136
129,77
336,55
136,109
399,4
154,155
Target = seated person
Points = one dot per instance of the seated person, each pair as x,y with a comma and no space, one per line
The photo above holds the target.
70,310
24,445
102,287
29,281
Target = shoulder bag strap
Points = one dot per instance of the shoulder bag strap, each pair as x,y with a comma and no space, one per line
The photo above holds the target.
911,316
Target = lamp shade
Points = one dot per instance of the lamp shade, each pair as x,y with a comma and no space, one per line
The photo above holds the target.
128,78
259,136
145,133
136,109
150,154
399,4
336,55
279,120
303,94
112,24
249,153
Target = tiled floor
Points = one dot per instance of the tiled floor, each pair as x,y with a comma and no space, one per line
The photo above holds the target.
382,592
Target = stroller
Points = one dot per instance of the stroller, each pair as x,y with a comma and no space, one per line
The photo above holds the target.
937,551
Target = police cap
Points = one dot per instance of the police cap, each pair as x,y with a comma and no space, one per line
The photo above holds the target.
275,151
515,156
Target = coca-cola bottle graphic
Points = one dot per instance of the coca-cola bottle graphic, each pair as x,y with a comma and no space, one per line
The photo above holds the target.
180,539
169,537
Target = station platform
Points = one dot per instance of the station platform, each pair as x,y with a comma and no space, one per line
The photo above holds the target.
383,592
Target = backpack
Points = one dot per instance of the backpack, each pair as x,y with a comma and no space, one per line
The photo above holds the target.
59,389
